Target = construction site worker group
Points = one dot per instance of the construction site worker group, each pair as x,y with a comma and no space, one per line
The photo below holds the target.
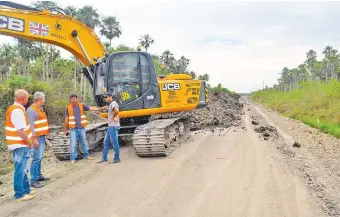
25,131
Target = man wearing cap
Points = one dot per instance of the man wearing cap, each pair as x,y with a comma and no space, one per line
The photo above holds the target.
111,137
39,127
75,121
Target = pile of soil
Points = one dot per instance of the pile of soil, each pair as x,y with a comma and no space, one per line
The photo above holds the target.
223,110
266,131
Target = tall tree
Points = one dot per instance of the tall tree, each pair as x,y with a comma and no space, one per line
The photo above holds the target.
181,65
40,5
168,59
89,16
145,41
7,58
110,28
193,74
71,11
311,59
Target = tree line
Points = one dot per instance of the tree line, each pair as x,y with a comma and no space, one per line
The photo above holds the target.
25,57
311,69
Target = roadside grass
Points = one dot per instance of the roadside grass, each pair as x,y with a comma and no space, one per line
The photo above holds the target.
315,103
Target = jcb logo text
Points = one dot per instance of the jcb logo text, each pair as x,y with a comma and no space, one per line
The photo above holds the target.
171,87
12,23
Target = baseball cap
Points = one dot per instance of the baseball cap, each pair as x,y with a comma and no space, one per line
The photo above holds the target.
107,94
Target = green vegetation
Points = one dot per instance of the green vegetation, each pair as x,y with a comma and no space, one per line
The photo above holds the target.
309,93
220,89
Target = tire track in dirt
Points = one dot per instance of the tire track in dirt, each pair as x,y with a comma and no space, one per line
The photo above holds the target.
306,162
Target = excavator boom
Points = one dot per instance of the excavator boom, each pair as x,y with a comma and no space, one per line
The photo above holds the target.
57,29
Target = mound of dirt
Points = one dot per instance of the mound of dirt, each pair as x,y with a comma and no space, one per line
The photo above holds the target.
223,110
266,131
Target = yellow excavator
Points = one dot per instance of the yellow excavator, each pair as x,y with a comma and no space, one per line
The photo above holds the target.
130,76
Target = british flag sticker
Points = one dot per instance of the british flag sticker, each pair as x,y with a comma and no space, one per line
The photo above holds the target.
39,29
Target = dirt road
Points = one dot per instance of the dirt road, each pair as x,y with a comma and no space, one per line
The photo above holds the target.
231,172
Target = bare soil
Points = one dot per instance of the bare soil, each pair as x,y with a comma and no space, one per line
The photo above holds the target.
250,169
312,155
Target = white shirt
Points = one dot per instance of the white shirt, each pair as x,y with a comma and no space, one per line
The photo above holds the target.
18,118
19,122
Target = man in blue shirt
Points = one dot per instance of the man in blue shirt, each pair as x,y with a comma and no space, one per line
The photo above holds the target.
75,120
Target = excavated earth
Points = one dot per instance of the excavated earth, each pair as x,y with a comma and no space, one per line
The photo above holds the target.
223,110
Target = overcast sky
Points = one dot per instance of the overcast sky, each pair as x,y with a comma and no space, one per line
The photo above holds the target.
239,44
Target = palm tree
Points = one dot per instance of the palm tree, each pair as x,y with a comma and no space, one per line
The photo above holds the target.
145,41
71,11
110,28
40,5
89,16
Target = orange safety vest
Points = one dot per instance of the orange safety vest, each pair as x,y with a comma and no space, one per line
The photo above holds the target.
13,139
40,125
71,117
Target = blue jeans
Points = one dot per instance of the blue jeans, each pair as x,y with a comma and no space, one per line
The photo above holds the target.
111,138
78,135
21,157
38,154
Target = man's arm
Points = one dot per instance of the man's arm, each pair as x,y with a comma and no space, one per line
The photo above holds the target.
18,120
94,108
24,137
114,104
32,117
115,111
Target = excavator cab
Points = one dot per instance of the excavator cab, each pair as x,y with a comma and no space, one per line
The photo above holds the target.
131,77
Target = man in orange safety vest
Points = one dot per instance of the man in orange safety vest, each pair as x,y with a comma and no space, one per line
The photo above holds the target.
39,126
75,121
19,140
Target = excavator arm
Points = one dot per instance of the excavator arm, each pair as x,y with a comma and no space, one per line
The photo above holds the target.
56,29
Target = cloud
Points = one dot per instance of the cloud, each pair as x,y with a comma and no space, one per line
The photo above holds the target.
240,44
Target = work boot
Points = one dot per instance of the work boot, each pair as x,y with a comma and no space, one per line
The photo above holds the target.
115,161
89,158
102,161
37,185
26,197
43,178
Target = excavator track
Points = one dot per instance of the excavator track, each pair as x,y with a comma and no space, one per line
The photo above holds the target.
95,134
158,137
